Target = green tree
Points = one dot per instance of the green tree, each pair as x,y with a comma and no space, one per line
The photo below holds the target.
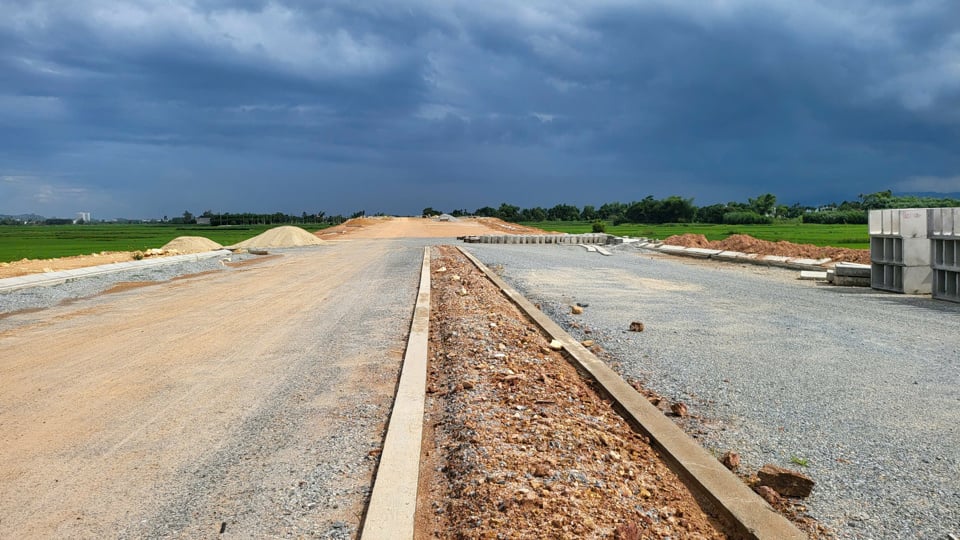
763,204
430,212
187,217
563,212
508,212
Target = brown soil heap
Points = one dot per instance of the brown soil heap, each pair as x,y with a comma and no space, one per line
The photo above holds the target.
518,445
191,244
748,244
280,237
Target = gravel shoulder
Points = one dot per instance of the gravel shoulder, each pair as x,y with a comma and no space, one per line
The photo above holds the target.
251,401
863,386
519,445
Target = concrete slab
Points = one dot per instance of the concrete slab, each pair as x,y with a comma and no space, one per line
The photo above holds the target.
393,500
702,253
603,251
852,270
813,275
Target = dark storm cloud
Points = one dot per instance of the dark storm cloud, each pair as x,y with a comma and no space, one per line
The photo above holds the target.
146,107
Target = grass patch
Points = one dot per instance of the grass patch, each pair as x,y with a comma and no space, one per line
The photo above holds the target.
48,241
845,236
803,462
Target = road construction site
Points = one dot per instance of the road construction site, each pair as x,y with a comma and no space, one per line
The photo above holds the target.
252,400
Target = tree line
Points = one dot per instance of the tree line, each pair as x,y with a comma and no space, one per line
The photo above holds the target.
762,209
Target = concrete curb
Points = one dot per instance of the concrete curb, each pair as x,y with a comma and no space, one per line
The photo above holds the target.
393,500
793,263
750,513
56,278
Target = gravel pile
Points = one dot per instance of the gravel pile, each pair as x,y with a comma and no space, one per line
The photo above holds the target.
43,297
862,386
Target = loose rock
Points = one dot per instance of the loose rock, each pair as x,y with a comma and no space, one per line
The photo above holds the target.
576,310
731,460
679,409
636,326
785,481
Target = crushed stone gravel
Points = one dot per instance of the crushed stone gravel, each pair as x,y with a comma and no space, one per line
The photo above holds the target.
862,386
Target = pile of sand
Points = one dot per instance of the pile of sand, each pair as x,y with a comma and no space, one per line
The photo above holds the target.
280,237
191,244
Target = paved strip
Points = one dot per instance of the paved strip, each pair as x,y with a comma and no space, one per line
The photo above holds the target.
393,502
55,278
747,510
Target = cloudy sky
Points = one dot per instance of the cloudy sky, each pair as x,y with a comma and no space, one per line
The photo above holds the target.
152,107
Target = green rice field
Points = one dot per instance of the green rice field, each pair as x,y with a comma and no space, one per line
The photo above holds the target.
845,236
48,241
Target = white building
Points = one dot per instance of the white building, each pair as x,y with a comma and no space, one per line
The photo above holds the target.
82,217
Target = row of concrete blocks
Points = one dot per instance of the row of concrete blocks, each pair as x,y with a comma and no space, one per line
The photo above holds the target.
597,238
63,276
915,222
736,256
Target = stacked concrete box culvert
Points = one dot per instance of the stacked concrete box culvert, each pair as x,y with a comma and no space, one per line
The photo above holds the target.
945,257
900,250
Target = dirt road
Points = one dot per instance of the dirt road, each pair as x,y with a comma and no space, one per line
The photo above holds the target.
246,401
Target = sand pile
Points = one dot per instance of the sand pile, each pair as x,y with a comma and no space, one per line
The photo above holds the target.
191,244
748,244
280,237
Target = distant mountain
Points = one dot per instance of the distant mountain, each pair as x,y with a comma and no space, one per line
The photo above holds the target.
22,217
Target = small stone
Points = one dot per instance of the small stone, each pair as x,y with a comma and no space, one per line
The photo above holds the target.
576,310
636,326
467,385
785,482
769,495
462,291
541,471
679,409
731,460
556,345
587,343
455,277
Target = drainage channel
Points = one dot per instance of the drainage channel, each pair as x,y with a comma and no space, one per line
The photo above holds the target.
392,512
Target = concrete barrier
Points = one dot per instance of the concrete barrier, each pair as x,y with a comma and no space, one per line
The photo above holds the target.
63,276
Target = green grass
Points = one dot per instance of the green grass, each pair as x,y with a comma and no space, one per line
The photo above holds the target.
47,241
845,236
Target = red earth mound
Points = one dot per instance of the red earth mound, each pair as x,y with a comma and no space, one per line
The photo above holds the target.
748,244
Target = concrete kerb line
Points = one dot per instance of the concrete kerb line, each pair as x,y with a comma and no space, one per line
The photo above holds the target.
747,510
393,500
793,263
63,276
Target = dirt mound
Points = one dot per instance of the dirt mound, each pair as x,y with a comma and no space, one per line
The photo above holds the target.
511,228
191,244
280,237
748,244
688,240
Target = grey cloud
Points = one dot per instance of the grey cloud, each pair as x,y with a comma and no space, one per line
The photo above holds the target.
392,102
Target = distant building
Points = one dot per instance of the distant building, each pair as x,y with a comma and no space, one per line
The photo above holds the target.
82,217
203,221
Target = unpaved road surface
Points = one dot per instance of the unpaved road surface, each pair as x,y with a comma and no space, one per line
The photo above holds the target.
246,400
406,227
